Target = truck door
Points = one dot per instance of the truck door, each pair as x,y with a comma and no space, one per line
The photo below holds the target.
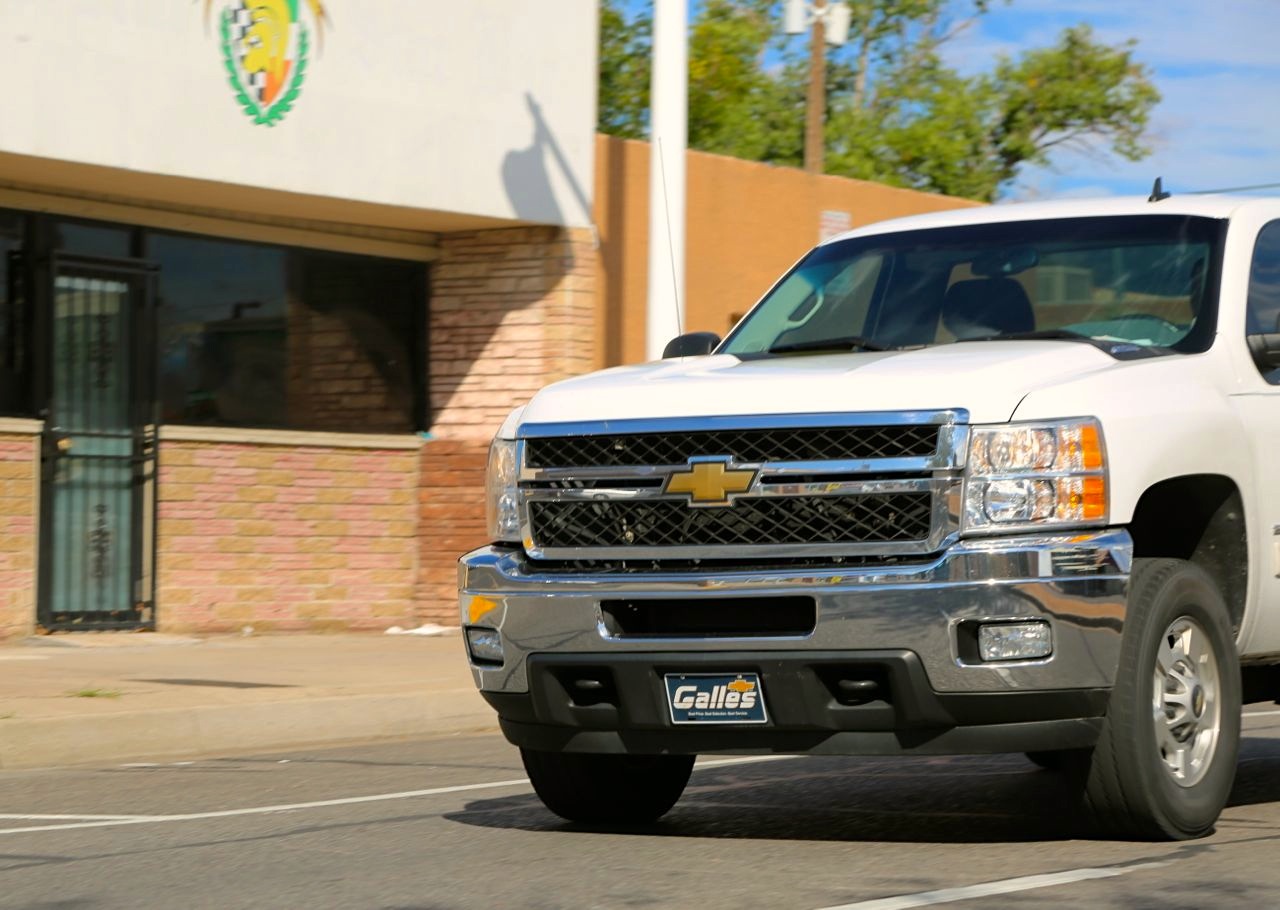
1258,404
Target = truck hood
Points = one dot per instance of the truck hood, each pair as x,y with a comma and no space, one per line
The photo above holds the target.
987,379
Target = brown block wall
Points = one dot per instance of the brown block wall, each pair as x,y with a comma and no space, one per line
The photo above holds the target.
19,493
285,537
746,224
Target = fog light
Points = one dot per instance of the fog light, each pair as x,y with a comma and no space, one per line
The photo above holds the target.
484,645
1014,640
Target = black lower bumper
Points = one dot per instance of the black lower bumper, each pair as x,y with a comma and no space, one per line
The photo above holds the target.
855,703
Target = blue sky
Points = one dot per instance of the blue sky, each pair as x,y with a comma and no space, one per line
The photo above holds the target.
1216,63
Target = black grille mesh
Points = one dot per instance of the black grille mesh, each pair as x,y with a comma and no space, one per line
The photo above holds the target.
745,446
872,518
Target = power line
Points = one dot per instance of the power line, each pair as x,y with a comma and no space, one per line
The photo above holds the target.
1233,189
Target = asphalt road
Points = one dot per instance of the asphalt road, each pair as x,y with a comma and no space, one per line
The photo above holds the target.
448,823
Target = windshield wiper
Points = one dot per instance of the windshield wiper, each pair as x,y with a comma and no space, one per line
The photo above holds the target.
846,343
1109,346
1041,334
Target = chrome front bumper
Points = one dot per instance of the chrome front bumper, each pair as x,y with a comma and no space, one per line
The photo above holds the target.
1075,581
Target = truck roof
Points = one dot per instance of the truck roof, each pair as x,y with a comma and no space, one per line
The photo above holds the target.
1208,206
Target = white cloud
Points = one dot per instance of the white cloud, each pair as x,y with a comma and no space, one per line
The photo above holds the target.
1216,66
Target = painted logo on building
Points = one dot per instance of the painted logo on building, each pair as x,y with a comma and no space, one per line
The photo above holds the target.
266,49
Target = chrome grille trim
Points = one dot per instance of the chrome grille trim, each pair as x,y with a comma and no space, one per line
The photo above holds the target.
938,474
778,444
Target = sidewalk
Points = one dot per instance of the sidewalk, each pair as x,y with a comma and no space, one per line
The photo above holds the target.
105,697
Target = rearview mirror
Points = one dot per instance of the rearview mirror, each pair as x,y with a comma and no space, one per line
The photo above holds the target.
691,344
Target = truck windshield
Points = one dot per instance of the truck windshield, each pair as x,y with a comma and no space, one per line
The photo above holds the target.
1133,285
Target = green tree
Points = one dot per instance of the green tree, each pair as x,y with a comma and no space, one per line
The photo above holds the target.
897,113
623,91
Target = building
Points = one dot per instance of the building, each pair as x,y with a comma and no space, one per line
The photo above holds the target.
273,272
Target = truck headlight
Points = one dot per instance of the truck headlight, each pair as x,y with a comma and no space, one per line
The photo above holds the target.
502,499
1035,475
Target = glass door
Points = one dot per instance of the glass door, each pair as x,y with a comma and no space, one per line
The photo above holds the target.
98,464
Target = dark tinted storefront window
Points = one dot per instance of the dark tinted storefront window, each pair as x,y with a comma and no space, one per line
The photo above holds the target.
222,331
106,240
15,385
262,336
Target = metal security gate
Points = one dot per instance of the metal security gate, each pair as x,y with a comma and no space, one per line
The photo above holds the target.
99,448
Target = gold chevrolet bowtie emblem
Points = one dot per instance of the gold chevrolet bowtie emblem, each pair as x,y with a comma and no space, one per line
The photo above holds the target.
710,483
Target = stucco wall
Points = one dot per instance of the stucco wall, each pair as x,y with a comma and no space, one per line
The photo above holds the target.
484,107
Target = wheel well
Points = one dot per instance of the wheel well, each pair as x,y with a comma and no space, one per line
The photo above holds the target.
1199,517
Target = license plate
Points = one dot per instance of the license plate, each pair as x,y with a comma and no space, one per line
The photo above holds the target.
715,698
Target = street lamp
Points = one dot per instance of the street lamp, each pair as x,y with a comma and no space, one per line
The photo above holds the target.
830,24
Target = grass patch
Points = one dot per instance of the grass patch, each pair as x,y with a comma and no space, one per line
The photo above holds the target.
94,692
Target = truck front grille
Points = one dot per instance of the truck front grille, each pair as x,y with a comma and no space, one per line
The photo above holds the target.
749,446
754,487
750,522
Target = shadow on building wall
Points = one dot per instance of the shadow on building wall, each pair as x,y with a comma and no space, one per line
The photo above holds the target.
512,309
528,182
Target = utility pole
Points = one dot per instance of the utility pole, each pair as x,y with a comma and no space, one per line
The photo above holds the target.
815,109
828,21
668,136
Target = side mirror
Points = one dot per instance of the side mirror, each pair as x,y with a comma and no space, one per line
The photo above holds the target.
691,344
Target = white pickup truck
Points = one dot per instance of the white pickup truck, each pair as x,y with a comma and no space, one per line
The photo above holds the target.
1002,479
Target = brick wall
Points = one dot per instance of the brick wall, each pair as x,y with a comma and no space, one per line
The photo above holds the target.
452,506
511,311
283,537
19,493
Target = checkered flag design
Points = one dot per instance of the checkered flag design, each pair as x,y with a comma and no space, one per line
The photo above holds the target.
241,19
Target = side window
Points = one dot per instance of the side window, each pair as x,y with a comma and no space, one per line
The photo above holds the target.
1263,316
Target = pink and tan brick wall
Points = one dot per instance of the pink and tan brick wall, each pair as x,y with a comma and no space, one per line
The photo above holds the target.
283,531
511,311
452,509
285,537
19,492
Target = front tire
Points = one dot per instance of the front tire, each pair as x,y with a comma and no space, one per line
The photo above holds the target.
607,789
1166,756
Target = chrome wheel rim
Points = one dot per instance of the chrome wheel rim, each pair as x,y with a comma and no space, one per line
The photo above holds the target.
1186,705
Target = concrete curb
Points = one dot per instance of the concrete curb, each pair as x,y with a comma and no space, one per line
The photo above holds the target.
185,733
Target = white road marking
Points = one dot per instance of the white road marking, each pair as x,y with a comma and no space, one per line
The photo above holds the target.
109,821
268,810
68,817
744,760
987,889
1249,714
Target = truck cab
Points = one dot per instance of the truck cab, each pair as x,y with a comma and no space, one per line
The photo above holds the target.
994,480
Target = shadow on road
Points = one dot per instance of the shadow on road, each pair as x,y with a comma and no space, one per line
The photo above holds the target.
963,799
1258,774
